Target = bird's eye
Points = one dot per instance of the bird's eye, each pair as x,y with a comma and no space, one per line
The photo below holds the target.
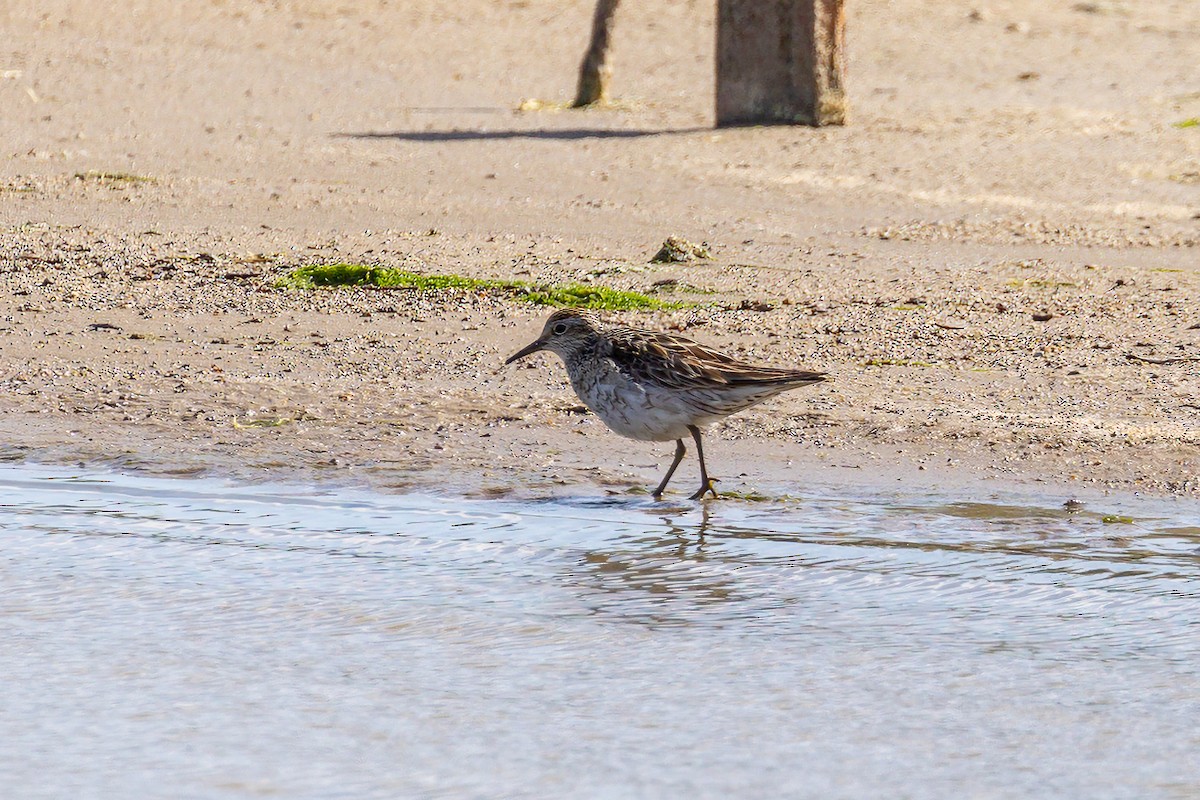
560,328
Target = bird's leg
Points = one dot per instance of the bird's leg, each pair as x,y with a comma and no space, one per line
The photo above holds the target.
679,451
706,483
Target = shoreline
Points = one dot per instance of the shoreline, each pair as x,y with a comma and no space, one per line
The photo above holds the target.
989,498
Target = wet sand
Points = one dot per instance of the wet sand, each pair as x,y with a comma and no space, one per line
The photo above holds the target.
998,260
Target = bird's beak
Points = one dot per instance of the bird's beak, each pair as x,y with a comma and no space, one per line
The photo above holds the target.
532,347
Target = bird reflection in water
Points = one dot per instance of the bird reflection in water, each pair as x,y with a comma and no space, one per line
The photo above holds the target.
665,577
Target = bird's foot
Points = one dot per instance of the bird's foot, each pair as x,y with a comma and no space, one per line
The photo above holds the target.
706,488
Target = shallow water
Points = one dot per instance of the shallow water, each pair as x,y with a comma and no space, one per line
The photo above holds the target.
191,639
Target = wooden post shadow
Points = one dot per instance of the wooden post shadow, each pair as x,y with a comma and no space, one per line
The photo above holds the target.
780,62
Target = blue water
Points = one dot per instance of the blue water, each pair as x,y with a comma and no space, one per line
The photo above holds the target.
194,639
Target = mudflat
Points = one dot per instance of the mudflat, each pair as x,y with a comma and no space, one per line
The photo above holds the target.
997,260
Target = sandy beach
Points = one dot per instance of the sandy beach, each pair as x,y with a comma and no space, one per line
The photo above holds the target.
997,260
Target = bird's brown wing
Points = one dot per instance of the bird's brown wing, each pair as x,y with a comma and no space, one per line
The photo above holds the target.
681,363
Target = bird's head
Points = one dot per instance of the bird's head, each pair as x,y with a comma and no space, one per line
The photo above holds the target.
567,332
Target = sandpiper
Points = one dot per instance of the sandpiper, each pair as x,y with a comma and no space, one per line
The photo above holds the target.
657,386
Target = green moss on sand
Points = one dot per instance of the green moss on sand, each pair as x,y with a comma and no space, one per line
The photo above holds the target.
569,295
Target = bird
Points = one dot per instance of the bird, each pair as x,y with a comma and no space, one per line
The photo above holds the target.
655,387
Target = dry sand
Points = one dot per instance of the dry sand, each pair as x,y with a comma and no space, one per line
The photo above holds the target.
1004,163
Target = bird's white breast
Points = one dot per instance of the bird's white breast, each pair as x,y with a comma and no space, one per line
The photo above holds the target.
638,411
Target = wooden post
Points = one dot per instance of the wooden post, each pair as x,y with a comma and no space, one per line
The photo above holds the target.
780,61
595,72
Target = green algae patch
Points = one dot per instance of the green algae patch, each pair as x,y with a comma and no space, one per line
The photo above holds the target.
334,275
597,297
575,295
112,177
262,422
896,362
1191,122
750,495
